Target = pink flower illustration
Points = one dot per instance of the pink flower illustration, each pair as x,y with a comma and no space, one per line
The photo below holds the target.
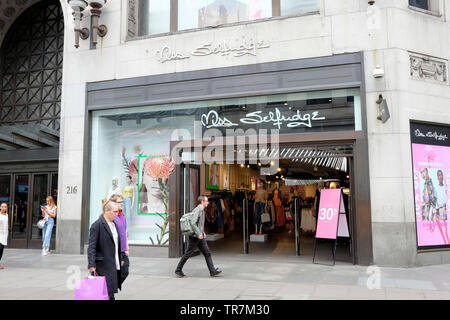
159,167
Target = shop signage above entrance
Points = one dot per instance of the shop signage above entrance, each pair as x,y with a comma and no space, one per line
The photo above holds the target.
240,47
297,119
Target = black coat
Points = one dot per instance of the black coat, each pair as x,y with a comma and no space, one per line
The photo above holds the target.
101,253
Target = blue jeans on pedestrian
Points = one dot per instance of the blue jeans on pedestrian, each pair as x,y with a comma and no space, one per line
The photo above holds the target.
259,210
47,232
127,210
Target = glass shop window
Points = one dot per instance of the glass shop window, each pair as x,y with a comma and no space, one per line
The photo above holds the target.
428,5
152,17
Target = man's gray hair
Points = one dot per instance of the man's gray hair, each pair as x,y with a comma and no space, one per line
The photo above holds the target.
202,198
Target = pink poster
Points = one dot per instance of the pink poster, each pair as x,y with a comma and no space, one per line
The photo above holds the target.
327,222
431,165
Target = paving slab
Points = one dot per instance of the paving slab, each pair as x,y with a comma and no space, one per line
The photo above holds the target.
28,275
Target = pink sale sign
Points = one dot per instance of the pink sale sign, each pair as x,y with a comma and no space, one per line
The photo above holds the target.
330,201
431,165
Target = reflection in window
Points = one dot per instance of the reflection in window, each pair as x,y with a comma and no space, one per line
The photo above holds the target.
292,7
203,13
154,16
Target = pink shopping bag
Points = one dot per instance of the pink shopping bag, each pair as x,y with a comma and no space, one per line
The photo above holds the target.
91,288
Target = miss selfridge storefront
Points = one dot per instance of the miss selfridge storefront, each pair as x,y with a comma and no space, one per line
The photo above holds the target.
135,127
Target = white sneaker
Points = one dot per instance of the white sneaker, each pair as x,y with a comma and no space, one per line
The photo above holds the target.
47,250
44,253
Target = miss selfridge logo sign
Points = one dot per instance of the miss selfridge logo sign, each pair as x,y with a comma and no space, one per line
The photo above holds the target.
433,135
237,48
213,120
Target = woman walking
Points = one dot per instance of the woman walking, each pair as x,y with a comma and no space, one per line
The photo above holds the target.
121,222
104,248
49,214
3,229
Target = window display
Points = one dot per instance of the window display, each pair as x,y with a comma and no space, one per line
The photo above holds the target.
130,147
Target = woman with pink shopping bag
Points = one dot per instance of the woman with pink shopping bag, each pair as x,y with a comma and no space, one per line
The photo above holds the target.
104,250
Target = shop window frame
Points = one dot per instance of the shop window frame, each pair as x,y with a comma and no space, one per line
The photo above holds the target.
435,8
134,34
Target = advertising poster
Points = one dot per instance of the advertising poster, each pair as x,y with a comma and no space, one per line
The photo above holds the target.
431,171
212,176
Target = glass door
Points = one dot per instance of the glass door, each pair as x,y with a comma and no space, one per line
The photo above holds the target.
25,193
191,191
19,210
5,197
39,194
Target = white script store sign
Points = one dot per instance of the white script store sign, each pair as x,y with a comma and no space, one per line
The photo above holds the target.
237,48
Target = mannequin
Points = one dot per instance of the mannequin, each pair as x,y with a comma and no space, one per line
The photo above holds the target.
128,195
260,204
114,188
278,205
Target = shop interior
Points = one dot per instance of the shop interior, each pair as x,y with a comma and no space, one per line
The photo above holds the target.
272,228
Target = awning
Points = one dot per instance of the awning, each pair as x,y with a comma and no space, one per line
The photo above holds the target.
27,136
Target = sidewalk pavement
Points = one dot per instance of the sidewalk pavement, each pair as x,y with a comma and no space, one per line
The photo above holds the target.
28,275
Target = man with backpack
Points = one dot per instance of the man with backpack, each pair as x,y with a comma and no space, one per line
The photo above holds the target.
193,224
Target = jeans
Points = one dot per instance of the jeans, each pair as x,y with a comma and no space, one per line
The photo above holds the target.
203,247
47,232
259,210
127,210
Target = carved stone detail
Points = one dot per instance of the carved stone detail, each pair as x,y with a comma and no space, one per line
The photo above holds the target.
428,68
132,18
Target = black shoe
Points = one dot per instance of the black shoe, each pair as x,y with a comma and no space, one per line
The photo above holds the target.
216,273
180,274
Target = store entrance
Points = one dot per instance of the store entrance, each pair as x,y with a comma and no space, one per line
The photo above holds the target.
24,193
264,212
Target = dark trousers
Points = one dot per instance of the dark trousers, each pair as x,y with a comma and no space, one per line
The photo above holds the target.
1,250
195,242
126,266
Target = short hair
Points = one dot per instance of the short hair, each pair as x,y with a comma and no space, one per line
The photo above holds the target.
202,198
115,197
108,205
440,172
423,169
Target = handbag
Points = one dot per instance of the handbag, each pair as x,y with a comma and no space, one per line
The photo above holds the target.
287,213
40,224
91,288
265,217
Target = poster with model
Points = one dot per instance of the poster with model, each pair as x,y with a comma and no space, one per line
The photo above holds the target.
148,167
430,148
212,176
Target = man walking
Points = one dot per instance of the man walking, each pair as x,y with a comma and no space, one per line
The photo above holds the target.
198,239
